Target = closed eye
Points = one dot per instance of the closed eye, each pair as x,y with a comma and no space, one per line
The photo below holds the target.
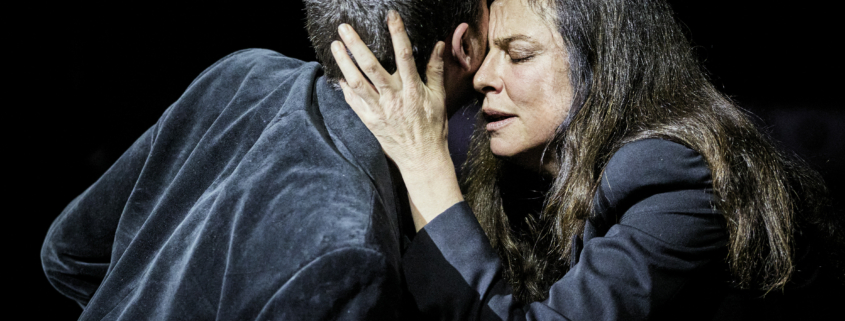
522,59
519,48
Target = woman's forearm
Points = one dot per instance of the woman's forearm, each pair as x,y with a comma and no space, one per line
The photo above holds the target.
432,187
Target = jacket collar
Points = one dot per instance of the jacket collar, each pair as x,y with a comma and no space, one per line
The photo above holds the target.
355,142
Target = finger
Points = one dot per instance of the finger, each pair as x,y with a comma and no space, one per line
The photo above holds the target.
361,108
434,69
366,60
355,102
405,64
350,97
354,79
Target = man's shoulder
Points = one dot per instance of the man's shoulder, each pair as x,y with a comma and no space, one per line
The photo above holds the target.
258,61
256,56
245,81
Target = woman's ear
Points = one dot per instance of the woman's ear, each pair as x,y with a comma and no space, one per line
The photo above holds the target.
461,46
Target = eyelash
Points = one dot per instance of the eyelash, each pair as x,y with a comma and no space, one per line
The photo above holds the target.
522,59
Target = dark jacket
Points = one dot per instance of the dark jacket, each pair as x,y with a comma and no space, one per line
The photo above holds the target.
655,249
259,194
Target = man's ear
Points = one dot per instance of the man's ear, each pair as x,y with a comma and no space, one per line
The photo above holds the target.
461,46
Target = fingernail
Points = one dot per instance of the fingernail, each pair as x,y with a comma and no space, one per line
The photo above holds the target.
335,46
343,29
392,15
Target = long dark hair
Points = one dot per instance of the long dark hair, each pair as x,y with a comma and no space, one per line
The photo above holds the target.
635,76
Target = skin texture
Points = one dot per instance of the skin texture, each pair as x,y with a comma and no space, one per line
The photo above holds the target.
526,75
407,116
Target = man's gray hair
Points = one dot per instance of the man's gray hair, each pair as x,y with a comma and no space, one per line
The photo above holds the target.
426,21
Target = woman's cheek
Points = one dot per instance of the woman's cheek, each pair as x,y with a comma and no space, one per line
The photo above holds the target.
532,89
527,85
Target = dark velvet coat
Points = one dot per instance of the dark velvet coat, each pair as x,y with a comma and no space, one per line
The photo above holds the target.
259,194
655,249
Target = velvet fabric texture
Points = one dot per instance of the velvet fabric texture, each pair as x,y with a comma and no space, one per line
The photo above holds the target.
259,194
654,250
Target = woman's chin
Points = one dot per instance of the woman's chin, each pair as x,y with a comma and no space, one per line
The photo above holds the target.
502,148
526,158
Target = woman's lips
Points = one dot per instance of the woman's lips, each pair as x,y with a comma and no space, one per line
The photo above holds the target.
496,119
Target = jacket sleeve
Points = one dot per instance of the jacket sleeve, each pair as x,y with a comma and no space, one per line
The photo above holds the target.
76,253
656,199
78,247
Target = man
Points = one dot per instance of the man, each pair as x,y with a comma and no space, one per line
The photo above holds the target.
259,194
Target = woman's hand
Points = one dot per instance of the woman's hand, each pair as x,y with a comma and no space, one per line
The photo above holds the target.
407,116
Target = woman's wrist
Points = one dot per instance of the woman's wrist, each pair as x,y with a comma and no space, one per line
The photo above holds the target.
432,187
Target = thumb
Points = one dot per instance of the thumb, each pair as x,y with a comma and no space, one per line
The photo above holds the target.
434,70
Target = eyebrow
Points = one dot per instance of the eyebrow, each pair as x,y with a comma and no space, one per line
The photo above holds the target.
505,42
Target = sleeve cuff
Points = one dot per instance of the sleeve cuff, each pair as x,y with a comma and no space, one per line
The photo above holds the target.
450,265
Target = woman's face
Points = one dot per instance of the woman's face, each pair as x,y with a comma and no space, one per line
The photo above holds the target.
525,82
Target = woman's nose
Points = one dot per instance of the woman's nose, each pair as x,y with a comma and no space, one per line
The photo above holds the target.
486,78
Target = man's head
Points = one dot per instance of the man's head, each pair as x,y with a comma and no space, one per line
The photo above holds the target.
462,24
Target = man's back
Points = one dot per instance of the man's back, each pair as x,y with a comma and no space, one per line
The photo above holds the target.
258,194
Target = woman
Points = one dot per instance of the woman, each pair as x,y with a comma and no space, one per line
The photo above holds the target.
658,199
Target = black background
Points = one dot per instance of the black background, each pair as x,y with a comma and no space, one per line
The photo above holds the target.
92,78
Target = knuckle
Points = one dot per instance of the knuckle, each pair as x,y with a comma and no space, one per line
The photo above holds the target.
435,68
369,68
395,26
354,83
406,54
